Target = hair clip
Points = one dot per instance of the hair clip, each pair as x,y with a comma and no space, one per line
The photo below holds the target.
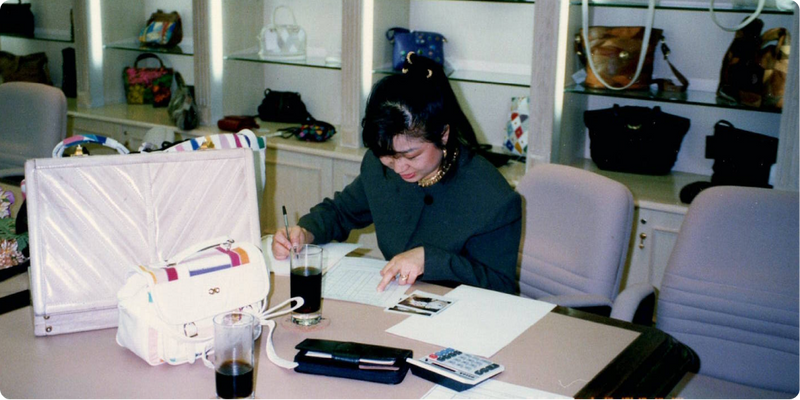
408,60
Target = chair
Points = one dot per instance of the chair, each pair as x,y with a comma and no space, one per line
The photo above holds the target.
33,120
730,292
576,232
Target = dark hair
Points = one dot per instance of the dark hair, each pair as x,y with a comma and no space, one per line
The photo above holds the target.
419,103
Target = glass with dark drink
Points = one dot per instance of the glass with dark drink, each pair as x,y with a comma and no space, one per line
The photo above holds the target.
306,282
234,354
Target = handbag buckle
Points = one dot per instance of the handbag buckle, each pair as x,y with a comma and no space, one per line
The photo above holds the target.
193,330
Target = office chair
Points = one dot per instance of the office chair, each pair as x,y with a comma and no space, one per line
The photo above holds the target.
730,292
576,232
33,119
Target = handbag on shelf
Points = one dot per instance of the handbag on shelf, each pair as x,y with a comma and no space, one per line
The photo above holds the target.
282,107
754,68
166,309
16,19
518,126
282,41
312,131
426,44
144,85
182,108
359,361
638,140
28,68
162,30
236,123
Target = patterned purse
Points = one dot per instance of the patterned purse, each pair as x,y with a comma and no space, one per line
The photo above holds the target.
518,126
148,85
426,44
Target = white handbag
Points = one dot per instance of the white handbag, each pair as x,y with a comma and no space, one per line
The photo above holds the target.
282,41
166,310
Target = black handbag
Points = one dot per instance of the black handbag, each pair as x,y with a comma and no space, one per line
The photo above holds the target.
359,361
16,19
282,107
638,140
182,108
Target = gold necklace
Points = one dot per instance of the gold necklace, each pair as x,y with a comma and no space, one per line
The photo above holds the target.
442,170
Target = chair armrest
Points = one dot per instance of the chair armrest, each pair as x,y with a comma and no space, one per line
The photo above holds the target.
578,300
627,302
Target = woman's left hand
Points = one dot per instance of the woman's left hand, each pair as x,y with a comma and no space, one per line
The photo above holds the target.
406,266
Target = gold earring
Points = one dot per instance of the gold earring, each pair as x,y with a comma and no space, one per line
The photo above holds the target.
444,154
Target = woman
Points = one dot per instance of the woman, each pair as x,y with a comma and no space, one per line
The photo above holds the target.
442,213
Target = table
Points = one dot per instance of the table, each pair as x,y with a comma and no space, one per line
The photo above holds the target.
567,352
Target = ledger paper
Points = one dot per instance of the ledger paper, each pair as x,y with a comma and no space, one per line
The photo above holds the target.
356,279
481,322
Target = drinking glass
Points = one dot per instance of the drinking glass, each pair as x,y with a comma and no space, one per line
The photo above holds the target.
306,282
234,355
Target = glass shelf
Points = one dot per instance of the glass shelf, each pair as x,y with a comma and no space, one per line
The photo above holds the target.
184,48
495,78
46,37
695,97
685,5
314,62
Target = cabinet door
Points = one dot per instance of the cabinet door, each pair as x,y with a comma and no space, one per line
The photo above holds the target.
344,172
651,245
295,180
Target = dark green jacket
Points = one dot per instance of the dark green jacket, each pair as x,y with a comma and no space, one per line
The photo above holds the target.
469,223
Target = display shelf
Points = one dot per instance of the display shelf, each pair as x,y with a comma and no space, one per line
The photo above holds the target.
494,78
693,97
657,192
183,49
682,5
314,62
45,37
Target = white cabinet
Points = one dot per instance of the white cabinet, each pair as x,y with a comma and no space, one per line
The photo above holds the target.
652,240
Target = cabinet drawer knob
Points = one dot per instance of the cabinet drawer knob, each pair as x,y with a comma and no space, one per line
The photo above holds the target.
642,237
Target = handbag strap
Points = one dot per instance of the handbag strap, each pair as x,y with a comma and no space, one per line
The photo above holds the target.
275,12
392,31
145,56
223,240
666,85
744,23
651,8
75,140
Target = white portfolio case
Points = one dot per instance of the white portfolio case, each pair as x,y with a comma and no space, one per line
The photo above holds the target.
91,219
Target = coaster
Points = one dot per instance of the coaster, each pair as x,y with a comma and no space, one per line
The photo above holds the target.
287,324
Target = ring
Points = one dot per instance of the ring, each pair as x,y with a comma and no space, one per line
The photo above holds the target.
403,277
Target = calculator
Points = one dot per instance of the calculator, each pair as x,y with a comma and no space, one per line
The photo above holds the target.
454,369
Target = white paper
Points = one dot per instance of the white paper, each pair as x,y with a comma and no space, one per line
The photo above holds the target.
356,279
331,254
492,389
481,322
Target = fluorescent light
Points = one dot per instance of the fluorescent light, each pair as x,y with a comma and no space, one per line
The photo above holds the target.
216,40
96,29
366,47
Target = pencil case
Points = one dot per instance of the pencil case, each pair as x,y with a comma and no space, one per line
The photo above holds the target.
351,360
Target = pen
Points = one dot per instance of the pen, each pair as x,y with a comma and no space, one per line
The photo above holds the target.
286,224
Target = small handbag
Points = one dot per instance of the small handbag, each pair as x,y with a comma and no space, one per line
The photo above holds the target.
162,30
235,123
282,107
518,126
166,309
426,44
312,131
16,19
182,108
282,41
28,68
148,85
638,140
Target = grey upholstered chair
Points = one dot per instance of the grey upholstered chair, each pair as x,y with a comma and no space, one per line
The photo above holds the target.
575,238
33,120
730,292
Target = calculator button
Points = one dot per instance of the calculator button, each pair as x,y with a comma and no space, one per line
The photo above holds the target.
433,356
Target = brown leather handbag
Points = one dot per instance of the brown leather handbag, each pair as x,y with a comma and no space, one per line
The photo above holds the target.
615,53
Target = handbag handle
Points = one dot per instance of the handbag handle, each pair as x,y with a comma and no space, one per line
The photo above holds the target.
651,8
393,31
145,56
275,13
222,240
744,23
58,151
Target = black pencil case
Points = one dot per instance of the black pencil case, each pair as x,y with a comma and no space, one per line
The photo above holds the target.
350,360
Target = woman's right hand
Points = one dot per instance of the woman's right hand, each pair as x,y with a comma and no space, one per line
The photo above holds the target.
281,245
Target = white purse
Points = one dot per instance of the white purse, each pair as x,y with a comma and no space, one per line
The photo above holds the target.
282,41
166,310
